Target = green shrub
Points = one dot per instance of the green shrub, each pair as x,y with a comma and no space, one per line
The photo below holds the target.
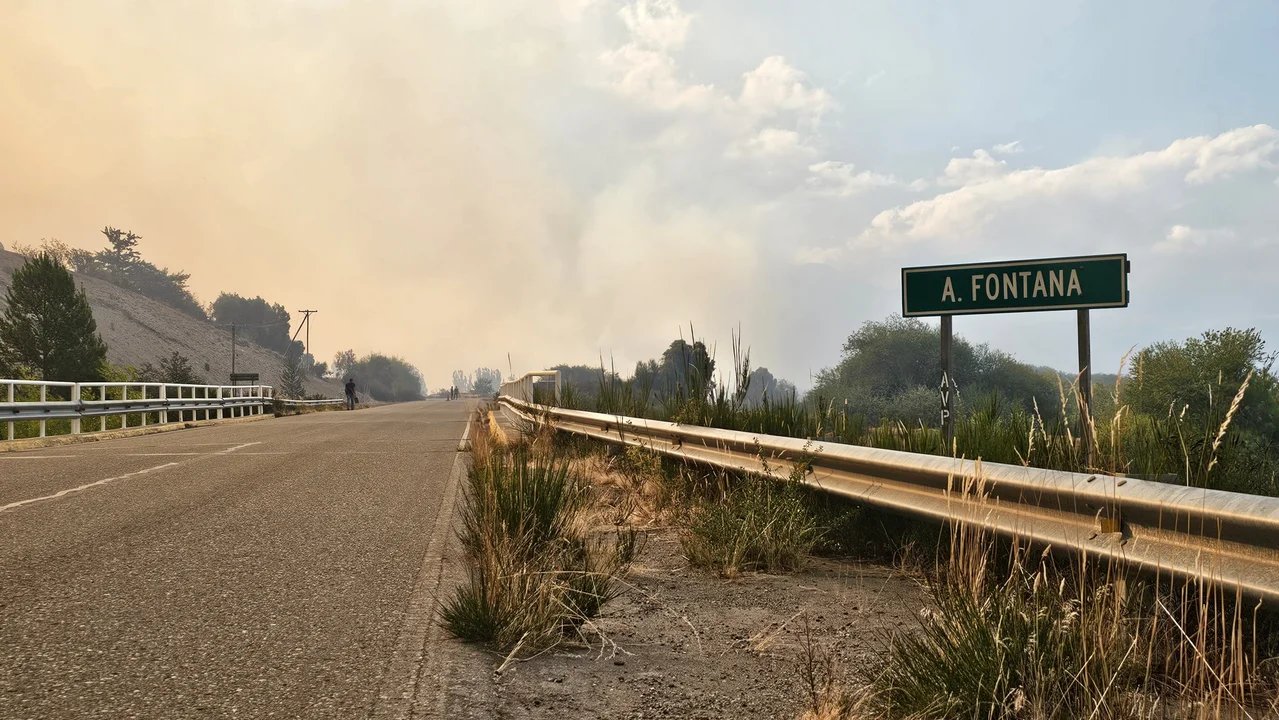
534,572
760,524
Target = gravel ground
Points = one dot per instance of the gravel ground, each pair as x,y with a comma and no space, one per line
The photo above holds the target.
684,644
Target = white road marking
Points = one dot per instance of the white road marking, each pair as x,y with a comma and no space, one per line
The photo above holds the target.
36,457
68,491
159,454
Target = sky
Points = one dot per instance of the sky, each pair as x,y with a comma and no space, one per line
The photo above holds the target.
459,182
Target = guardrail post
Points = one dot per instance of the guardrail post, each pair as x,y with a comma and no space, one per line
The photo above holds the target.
102,419
9,431
124,407
44,397
164,404
75,397
219,402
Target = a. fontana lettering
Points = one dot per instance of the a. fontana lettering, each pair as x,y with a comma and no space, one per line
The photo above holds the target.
1069,283
948,292
996,287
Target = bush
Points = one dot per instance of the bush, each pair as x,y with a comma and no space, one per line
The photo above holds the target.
1045,640
760,524
534,572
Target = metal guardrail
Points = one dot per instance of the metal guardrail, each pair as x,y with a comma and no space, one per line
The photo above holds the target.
325,401
522,388
170,402
1227,538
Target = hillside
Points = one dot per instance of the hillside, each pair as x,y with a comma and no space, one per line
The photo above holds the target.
138,329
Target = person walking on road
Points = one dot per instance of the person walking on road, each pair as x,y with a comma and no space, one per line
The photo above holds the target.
350,393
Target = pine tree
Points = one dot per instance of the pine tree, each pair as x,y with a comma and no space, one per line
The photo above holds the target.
176,369
47,327
293,377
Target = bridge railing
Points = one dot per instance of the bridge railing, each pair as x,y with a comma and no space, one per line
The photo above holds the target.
1228,538
311,403
41,401
523,388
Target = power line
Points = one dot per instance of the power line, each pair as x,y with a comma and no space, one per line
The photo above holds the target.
250,325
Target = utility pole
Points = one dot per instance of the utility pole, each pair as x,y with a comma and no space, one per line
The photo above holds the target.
306,322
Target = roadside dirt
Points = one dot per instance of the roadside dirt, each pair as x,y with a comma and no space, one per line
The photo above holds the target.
681,643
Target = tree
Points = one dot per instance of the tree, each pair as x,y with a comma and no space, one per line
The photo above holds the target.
48,326
175,368
342,363
888,364
487,381
320,369
1204,373
461,381
763,385
74,259
688,366
387,378
584,382
119,261
122,265
256,319
293,376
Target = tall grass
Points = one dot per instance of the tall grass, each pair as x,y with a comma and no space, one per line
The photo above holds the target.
1013,635
535,572
1202,449
758,524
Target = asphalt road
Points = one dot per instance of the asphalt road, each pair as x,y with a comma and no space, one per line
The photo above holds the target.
279,568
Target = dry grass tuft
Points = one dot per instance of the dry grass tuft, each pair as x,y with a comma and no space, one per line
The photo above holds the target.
537,572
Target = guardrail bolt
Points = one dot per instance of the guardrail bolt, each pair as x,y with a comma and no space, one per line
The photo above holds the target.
1110,521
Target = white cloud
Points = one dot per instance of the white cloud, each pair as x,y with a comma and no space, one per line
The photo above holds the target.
1008,148
776,87
807,255
1183,239
1236,151
979,168
840,179
1121,184
658,24
772,142
650,76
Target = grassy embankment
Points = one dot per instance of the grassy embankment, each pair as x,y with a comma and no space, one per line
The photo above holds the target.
1012,632
1199,449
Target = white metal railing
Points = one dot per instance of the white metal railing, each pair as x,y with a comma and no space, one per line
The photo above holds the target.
522,388
324,401
40,401
1224,537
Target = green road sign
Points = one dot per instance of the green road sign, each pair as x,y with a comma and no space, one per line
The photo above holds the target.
1077,283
